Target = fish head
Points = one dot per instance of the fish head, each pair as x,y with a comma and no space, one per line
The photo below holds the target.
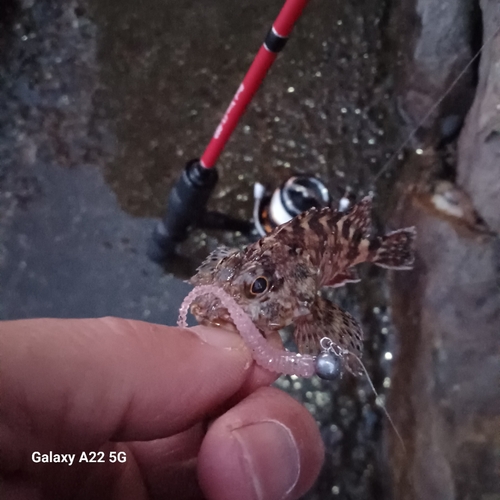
272,290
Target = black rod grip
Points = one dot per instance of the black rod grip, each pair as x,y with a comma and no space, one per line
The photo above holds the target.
186,206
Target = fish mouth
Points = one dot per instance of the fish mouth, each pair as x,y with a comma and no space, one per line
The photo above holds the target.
212,314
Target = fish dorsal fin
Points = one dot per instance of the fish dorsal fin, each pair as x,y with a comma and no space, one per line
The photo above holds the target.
350,230
310,220
360,218
210,264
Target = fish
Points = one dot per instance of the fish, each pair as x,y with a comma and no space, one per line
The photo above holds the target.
278,280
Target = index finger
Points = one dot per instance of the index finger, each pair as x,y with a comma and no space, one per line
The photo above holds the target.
92,380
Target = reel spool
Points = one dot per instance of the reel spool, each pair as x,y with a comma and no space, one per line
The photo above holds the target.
296,195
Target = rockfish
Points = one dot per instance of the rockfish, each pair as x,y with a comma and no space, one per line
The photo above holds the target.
277,280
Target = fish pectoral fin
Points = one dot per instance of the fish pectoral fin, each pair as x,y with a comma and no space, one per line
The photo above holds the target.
306,335
328,320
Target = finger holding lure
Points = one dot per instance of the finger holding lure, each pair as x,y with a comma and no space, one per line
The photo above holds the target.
276,282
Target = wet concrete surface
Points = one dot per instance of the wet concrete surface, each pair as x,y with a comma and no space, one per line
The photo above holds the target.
81,256
328,87
102,103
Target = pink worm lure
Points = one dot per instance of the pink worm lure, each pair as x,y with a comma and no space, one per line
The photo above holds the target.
264,354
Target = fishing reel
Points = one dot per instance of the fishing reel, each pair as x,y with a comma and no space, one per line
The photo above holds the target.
296,195
189,196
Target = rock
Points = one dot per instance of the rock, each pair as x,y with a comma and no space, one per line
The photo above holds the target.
446,396
436,50
479,146
446,390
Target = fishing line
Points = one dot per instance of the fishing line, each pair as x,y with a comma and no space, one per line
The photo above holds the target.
329,369
380,404
434,107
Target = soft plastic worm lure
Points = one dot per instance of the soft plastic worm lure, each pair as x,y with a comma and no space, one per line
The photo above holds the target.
267,356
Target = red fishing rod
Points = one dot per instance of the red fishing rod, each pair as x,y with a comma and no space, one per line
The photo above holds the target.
186,206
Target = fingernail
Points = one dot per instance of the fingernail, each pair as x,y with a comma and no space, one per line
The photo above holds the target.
218,337
271,457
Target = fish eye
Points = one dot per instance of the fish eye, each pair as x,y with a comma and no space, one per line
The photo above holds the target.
259,285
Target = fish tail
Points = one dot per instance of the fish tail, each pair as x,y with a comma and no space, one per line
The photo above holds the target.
395,250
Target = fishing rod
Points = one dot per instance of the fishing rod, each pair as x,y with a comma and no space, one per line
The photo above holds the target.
187,201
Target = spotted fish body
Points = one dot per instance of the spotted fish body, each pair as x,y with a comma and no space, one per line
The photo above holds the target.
277,279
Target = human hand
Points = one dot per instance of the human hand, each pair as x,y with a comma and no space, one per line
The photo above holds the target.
189,410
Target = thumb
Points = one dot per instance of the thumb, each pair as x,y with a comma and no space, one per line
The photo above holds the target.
87,381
